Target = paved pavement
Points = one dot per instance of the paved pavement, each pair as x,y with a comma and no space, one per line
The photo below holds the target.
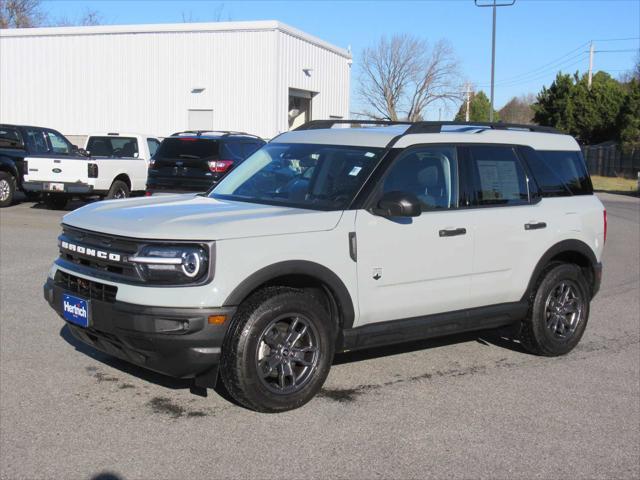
464,407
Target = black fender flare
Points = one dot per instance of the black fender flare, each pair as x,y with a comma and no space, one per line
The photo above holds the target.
564,246
344,302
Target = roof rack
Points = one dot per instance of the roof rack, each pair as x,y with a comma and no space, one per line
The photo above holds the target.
320,124
430,126
436,127
224,133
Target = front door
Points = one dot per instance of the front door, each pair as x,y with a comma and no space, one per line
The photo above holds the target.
410,267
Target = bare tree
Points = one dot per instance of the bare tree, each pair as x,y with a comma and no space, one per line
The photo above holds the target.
399,78
20,13
518,110
88,19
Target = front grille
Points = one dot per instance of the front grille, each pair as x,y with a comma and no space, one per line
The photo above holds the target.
105,243
86,288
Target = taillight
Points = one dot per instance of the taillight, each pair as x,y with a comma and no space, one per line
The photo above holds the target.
92,170
604,217
220,166
147,193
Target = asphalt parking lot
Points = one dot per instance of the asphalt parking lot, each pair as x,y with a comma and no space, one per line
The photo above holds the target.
471,406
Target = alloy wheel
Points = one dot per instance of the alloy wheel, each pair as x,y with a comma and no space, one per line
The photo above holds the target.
5,190
288,353
563,309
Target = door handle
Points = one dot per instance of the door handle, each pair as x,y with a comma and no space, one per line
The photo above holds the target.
535,226
452,232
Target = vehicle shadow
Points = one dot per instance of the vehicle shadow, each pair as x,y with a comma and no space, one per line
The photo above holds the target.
124,366
503,337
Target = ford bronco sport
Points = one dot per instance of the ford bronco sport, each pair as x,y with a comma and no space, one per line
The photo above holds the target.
333,239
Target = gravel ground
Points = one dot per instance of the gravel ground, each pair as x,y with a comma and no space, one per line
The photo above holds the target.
472,406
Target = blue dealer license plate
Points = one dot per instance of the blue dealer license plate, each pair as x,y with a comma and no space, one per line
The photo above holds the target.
75,310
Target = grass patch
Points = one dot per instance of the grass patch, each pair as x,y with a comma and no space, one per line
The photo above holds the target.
614,184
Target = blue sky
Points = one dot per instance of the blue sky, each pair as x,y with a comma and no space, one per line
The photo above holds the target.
535,37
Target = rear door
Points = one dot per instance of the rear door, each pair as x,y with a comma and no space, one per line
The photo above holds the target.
52,159
182,164
507,221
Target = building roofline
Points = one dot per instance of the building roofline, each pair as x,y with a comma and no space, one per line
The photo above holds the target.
253,26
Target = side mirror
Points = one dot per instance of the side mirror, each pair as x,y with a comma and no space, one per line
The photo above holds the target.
83,152
398,204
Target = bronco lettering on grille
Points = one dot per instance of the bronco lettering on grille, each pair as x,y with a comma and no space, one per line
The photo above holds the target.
90,252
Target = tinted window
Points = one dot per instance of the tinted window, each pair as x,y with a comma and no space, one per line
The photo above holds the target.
10,138
59,144
324,177
187,147
499,177
249,148
232,151
126,147
430,173
559,173
153,145
37,141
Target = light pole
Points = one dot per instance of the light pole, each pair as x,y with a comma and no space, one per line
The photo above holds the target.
494,4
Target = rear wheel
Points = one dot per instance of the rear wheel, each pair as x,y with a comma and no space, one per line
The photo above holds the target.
119,189
559,312
278,351
7,189
55,201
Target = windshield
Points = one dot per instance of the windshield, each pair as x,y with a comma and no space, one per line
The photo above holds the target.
324,177
187,147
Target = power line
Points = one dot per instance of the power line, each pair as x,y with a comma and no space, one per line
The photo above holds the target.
540,73
616,51
559,62
573,53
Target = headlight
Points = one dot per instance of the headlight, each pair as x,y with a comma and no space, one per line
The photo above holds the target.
172,264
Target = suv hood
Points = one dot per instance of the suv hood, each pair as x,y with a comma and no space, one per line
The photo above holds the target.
193,217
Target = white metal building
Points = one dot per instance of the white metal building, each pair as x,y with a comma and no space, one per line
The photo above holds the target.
259,77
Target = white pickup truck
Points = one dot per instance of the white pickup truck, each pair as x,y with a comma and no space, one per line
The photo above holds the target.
115,166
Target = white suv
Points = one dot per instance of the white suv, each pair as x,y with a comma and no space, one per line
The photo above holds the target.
332,239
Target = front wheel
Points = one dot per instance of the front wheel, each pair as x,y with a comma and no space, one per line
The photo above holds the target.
559,312
7,189
278,351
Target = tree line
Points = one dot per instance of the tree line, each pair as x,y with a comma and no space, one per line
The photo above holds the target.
400,77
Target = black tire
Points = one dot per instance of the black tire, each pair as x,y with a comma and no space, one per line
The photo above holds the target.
55,201
119,189
7,189
246,357
554,327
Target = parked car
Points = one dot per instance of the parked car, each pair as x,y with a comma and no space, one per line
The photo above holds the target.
117,168
194,161
18,145
381,235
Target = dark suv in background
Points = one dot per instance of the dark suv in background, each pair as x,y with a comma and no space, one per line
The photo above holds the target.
194,161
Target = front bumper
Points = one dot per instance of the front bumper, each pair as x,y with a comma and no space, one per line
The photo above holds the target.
71,188
178,342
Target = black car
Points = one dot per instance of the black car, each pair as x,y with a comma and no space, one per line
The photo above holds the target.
18,143
194,161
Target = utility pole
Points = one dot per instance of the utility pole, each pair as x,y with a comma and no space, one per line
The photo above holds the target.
494,5
466,115
591,52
